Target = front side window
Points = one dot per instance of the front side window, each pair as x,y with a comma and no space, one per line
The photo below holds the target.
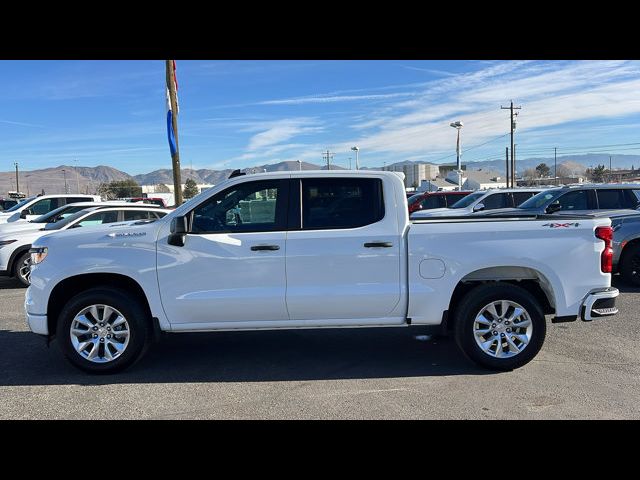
575,200
520,197
329,203
43,206
248,207
99,218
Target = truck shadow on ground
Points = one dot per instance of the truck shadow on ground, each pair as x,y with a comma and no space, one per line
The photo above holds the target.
292,355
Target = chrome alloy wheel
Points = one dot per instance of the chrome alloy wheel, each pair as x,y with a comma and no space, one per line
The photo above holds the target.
99,333
502,329
25,270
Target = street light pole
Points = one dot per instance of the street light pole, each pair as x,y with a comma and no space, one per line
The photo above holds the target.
357,150
17,184
458,125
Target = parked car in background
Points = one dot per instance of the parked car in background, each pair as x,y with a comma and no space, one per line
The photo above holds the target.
15,260
480,201
7,203
33,207
579,199
430,200
626,245
149,200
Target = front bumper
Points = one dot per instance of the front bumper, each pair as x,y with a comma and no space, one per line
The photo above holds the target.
599,304
37,322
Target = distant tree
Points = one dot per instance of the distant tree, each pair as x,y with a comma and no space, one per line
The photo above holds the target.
543,170
162,188
120,189
597,174
190,189
564,171
529,176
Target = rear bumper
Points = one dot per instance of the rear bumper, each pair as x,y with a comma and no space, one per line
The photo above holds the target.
599,304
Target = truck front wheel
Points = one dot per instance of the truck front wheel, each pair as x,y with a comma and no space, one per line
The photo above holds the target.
103,330
500,326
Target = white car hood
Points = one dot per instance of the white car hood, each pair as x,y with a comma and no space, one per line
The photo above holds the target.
19,227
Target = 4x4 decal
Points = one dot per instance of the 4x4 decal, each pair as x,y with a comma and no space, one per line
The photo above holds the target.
561,225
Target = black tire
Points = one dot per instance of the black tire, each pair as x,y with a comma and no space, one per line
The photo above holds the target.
473,304
630,265
18,264
140,328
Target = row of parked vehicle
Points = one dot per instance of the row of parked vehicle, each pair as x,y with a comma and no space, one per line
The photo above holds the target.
620,202
34,217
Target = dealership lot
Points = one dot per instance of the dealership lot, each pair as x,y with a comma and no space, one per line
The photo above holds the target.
583,371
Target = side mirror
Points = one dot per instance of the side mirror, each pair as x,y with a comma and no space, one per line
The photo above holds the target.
24,213
478,207
554,207
178,231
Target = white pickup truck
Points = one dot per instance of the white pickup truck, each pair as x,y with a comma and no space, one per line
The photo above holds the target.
317,249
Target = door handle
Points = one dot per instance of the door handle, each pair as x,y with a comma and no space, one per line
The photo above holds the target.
378,244
257,248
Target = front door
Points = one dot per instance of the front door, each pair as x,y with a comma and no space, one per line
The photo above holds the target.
232,266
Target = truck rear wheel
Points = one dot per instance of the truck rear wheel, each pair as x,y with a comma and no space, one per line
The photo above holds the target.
103,330
630,265
500,326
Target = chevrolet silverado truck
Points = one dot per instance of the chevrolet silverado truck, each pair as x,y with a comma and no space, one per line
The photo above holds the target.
317,249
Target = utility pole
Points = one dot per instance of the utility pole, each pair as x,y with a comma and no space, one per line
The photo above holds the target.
506,149
77,176
17,184
555,164
349,163
328,156
64,172
173,132
513,156
610,171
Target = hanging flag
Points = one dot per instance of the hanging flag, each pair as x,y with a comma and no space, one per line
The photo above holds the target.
170,133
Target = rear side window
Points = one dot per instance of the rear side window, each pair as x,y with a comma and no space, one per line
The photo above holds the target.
611,199
98,219
519,197
329,203
79,199
137,215
433,201
499,200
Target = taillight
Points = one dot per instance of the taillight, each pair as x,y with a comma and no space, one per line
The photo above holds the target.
606,258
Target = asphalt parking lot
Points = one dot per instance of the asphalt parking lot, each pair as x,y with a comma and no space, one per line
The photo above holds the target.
584,371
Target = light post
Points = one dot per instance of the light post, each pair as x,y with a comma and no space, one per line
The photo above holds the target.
458,125
357,150
349,163
17,184
299,165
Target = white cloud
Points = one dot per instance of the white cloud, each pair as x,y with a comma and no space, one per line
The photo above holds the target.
280,131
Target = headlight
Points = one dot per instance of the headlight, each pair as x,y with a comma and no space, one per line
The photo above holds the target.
38,254
6,242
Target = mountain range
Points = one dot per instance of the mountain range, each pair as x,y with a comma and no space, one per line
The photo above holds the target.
87,179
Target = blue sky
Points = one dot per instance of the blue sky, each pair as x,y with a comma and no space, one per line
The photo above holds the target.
237,114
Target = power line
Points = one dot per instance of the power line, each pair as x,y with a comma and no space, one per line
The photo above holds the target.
328,156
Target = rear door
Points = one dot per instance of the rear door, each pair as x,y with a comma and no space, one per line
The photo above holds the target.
343,252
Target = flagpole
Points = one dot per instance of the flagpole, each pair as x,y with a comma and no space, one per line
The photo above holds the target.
175,157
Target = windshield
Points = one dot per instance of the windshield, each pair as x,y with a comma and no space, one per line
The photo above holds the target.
16,207
57,214
468,200
541,199
66,221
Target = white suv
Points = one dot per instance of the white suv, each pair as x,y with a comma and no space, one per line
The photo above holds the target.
15,260
33,207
